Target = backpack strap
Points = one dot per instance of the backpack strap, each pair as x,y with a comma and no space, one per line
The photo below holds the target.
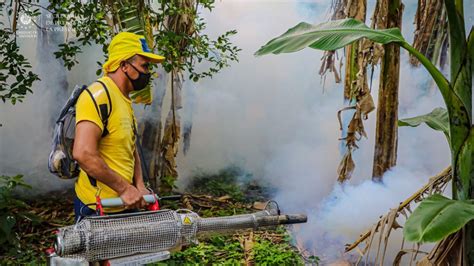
71,102
104,113
102,109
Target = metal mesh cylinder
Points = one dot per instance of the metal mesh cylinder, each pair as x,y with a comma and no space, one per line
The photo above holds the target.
75,242
107,237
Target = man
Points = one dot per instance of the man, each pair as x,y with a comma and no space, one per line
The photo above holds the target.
110,164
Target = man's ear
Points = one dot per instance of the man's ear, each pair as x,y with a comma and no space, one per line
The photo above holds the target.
122,66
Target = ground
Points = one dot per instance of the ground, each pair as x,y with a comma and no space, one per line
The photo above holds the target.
226,193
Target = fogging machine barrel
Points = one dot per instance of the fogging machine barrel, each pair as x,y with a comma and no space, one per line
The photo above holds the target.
105,237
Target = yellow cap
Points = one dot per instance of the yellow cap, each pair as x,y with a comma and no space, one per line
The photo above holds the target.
125,45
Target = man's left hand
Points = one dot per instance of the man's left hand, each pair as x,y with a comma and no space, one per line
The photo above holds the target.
142,189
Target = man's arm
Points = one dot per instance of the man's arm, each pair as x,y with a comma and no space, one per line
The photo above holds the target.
86,153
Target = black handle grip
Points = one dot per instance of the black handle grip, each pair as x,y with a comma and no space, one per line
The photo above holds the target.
171,197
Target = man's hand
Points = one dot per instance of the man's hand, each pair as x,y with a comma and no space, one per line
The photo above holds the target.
143,190
132,198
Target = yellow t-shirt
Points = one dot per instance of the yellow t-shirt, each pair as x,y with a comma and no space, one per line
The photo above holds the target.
117,148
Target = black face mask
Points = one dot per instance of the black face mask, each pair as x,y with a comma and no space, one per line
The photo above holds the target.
141,82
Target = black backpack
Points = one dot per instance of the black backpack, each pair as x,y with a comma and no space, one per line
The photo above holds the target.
61,162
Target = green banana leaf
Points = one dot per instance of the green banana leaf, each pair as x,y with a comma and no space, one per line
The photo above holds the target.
330,35
336,34
438,120
131,22
437,217
144,96
466,161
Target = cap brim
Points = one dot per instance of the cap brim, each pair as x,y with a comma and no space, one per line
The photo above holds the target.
154,58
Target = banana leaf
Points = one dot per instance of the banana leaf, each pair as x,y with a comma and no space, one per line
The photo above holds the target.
336,34
437,217
328,36
144,96
438,120
131,22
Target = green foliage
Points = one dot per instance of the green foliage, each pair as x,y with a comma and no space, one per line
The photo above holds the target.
438,120
336,34
67,52
465,165
267,253
221,184
328,36
169,181
231,181
10,215
93,22
223,212
216,250
457,94
437,217
183,50
228,250
16,79
87,20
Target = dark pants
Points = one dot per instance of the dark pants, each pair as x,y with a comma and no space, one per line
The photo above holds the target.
81,210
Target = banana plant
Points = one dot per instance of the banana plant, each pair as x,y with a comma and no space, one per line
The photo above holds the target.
431,220
131,18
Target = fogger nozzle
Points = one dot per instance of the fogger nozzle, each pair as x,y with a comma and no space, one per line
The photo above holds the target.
106,237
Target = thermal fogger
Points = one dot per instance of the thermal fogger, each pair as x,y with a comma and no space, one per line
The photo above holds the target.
143,236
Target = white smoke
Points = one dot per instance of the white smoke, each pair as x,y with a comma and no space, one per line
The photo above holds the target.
26,134
270,116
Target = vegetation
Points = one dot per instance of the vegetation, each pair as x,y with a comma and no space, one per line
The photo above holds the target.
457,95
36,220
232,192
232,182
438,217
97,23
174,29
267,249
16,78
14,212
218,249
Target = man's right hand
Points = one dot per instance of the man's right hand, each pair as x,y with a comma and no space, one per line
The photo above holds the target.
132,198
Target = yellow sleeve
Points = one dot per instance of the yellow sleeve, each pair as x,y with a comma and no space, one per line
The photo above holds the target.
86,109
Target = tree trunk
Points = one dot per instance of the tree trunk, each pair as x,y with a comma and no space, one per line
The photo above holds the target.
151,135
430,30
171,135
355,88
151,140
181,24
386,138
356,9
165,145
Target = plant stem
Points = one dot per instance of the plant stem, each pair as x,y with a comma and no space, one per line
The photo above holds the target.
441,81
